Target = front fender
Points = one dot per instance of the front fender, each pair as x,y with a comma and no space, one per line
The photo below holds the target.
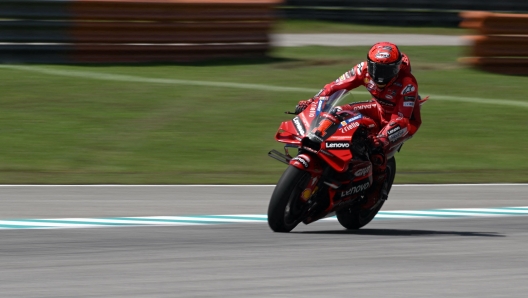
307,163
312,165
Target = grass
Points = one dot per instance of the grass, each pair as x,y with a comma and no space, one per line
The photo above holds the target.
303,26
69,130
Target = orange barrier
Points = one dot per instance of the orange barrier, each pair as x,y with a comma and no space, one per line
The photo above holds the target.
121,31
502,45
131,31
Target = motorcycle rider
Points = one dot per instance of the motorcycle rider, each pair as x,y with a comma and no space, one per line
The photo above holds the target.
395,103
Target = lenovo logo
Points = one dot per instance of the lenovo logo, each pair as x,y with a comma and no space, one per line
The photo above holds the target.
337,145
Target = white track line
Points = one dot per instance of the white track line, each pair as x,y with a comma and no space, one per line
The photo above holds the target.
136,79
115,222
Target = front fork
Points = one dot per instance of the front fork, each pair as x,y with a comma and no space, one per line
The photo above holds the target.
304,162
317,195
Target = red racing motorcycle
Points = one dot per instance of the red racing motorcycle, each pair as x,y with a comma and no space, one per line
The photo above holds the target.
332,172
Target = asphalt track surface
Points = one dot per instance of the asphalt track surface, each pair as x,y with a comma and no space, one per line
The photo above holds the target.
477,257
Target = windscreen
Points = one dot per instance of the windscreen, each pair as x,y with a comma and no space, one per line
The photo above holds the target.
322,127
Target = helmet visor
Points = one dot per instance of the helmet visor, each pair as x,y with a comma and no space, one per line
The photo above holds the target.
383,73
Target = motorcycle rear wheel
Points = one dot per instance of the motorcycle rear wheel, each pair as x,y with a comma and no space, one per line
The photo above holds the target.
354,218
285,209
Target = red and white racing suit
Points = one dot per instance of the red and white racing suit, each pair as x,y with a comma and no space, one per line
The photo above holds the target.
395,108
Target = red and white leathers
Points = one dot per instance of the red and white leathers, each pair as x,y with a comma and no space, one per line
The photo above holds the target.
395,107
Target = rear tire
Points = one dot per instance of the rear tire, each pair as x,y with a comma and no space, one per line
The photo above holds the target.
285,209
354,217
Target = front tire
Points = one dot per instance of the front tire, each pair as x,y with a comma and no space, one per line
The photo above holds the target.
285,209
354,218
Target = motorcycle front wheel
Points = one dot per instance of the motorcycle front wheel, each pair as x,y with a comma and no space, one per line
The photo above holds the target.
285,209
354,218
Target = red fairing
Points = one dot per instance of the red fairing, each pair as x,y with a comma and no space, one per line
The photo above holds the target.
294,130
336,150
288,134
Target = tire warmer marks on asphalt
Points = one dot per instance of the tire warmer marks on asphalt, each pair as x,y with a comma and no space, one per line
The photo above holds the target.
69,223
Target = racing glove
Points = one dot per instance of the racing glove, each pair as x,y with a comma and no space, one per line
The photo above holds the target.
379,143
378,158
303,104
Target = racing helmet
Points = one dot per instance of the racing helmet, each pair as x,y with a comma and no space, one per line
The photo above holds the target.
384,60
